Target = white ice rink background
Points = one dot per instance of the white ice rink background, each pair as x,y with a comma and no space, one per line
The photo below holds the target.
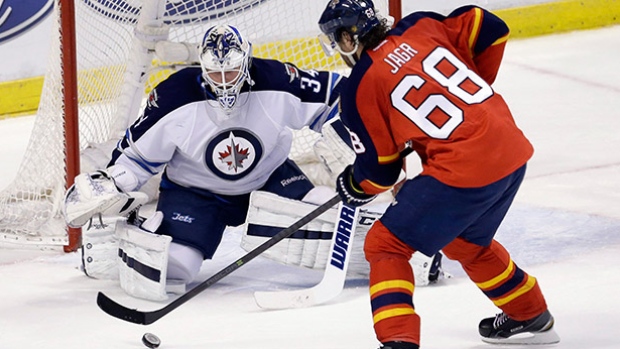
564,229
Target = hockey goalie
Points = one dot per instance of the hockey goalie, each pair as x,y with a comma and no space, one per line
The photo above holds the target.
115,228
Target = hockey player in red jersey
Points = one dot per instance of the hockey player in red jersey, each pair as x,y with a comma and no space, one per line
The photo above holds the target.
427,82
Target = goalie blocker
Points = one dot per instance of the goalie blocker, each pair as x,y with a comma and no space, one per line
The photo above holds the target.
310,246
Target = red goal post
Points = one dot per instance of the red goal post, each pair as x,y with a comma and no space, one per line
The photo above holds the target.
101,64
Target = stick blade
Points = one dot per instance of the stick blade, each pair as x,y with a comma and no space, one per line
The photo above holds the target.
119,311
334,276
285,299
325,291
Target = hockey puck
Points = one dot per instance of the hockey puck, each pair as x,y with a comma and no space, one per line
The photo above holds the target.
151,340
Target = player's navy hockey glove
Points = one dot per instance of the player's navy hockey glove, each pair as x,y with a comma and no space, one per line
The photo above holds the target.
350,191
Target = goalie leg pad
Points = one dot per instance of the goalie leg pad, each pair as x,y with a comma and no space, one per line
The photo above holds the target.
269,213
143,261
100,248
318,195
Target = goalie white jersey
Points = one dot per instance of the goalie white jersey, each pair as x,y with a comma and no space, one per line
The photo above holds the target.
183,130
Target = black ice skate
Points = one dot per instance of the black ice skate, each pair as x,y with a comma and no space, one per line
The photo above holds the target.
503,330
399,345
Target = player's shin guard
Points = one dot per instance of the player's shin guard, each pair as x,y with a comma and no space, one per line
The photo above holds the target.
391,287
511,289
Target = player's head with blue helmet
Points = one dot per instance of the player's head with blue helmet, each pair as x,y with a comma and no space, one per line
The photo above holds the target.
225,57
347,24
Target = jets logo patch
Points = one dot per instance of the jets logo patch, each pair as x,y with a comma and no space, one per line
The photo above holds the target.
292,72
233,154
151,101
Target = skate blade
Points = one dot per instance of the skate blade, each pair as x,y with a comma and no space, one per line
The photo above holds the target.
528,338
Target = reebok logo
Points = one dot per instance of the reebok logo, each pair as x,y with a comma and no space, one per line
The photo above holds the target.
293,179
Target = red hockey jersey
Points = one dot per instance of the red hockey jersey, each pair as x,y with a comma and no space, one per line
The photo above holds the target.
429,83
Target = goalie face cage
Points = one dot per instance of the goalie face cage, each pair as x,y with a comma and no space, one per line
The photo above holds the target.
113,68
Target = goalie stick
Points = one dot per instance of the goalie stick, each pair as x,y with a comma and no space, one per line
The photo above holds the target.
335,273
136,316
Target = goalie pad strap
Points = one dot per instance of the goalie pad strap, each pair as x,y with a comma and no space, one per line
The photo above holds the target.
150,273
269,231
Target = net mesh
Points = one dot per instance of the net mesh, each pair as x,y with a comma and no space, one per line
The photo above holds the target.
116,68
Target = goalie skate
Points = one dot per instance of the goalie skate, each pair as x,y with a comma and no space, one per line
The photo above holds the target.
503,330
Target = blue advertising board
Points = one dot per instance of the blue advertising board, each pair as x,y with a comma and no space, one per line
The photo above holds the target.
18,16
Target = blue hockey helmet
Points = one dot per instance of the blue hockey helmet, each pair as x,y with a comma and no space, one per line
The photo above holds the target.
356,17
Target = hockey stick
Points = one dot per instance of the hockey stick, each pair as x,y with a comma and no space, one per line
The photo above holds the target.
335,273
148,317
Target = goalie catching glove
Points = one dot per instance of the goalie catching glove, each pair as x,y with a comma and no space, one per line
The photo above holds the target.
96,193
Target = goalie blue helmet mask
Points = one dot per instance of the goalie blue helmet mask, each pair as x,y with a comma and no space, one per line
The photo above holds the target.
225,58
356,17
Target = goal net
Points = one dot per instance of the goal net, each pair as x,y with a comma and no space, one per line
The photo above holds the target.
117,64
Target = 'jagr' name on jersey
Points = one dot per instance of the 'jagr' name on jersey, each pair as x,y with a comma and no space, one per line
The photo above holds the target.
399,56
